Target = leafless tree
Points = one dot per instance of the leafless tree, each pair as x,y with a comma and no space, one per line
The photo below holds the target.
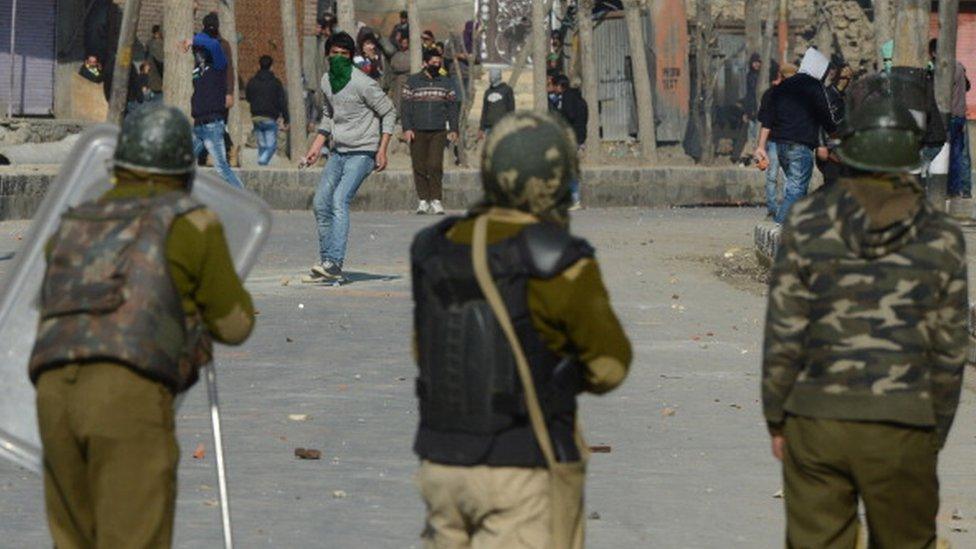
883,25
772,9
413,16
646,130
945,65
177,80
912,30
705,82
123,61
590,87
228,26
293,73
346,16
540,47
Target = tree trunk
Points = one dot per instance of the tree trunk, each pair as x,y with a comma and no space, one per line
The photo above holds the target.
912,31
228,29
540,28
293,68
705,30
753,16
416,53
883,26
346,16
646,130
590,86
784,30
825,34
946,56
123,62
772,8
457,45
521,60
178,78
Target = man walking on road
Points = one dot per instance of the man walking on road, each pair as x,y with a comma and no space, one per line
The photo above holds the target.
266,96
771,162
960,165
210,97
799,111
507,299
138,284
866,341
429,118
359,120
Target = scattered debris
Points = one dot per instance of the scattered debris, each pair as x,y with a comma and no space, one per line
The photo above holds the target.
675,296
736,406
601,449
957,514
301,306
594,516
285,280
959,529
298,417
200,451
289,340
339,494
778,494
211,502
310,453
668,412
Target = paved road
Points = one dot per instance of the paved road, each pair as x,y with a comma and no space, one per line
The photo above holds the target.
700,478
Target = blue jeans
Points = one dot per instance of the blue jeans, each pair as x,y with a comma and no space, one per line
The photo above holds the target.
266,133
960,166
772,174
211,137
797,163
574,189
343,174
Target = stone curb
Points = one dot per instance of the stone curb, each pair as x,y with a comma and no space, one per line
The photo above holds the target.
766,236
22,190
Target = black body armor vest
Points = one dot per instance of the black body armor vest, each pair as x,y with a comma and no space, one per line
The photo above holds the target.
472,408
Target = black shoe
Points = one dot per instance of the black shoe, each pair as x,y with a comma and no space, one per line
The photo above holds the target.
327,271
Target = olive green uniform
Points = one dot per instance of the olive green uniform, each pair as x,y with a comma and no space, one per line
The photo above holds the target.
110,452
865,346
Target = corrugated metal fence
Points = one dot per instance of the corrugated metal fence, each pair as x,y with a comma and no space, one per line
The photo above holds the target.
33,60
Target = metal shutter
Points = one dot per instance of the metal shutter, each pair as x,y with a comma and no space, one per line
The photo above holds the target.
33,62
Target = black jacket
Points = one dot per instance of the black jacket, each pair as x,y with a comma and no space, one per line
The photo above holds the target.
267,96
429,104
798,110
498,101
209,102
575,111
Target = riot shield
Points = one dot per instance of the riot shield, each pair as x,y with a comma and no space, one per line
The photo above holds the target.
84,176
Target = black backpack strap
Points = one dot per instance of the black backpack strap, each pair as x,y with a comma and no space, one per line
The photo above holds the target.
549,249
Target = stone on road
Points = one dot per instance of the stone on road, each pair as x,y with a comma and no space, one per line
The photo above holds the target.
330,369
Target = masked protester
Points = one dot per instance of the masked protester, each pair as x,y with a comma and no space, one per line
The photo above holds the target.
359,120
429,115
866,340
138,284
504,350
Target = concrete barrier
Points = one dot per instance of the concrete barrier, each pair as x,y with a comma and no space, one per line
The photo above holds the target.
21,189
766,236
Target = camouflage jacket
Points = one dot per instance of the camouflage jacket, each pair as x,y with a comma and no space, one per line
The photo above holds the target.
865,323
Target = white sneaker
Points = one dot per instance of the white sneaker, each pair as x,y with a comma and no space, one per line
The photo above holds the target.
436,207
577,206
423,208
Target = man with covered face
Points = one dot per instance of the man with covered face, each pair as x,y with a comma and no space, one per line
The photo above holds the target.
866,340
492,449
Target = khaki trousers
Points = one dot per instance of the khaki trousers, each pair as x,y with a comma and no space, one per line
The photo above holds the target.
483,507
829,464
110,457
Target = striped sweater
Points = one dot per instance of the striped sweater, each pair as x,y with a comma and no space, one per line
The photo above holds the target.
429,104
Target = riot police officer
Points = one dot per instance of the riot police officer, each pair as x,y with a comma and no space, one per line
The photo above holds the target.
866,339
507,295
138,284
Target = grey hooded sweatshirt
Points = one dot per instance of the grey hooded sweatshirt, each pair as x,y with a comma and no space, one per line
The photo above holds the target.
357,115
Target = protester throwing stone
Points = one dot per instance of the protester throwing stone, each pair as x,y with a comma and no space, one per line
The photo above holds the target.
504,350
866,340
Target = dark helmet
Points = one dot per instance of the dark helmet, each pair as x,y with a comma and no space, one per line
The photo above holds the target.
881,133
156,140
528,163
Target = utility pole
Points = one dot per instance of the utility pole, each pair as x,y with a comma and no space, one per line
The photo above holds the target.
228,26
591,91
177,80
293,73
123,62
346,16
539,51
646,129
882,26
825,33
945,60
911,31
416,53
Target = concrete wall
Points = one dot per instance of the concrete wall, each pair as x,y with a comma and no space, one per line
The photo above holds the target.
21,191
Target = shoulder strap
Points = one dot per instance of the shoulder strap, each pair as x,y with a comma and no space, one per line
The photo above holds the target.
479,257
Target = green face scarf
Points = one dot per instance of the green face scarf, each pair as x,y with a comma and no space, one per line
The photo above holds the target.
340,72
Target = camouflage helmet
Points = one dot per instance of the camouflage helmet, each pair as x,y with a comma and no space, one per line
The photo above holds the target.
882,131
528,163
156,140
